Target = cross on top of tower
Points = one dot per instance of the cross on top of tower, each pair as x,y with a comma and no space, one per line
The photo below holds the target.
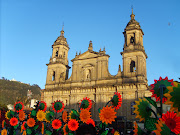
62,31
132,15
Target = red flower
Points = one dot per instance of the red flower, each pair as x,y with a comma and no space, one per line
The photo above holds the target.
172,121
13,121
42,106
73,125
155,88
56,124
90,121
86,103
58,106
23,125
116,100
18,106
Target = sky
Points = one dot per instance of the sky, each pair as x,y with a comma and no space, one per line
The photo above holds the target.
28,29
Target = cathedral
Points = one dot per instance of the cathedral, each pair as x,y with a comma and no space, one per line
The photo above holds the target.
90,76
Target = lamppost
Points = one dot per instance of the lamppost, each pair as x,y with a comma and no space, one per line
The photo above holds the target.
162,87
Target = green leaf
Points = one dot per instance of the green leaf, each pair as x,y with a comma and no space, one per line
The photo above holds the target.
29,131
70,134
99,110
33,113
25,125
58,129
150,124
48,132
16,126
105,125
100,125
151,102
105,132
36,127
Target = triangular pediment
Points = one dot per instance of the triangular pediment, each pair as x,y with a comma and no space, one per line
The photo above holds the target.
86,55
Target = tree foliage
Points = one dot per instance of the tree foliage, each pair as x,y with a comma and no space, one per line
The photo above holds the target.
12,91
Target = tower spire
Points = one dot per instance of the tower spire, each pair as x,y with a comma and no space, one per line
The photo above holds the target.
62,31
63,26
132,15
132,8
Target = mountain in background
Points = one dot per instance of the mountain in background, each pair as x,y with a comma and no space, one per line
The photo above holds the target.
12,91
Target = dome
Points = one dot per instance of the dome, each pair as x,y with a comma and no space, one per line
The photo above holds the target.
133,24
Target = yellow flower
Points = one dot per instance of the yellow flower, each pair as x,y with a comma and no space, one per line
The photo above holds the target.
116,133
73,115
161,128
85,115
4,132
140,109
40,115
107,115
6,115
65,128
173,97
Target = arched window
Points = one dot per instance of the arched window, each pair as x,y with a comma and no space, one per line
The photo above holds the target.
132,66
64,54
56,53
132,40
53,77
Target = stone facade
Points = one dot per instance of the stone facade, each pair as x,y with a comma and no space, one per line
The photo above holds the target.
90,76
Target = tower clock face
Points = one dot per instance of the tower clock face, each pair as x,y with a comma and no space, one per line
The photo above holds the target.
54,59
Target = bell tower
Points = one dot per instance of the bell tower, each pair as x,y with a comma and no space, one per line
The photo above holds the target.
134,56
58,68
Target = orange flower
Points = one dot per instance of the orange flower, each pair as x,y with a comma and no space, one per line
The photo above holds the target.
21,128
161,128
56,124
85,115
90,121
107,115
3,123
4,132
24,133
29,115
64,116
21,115
13,121
135,128
31,122
73,125
42,130
65,129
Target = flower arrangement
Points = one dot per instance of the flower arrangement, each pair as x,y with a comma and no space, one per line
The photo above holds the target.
165,91
57,120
